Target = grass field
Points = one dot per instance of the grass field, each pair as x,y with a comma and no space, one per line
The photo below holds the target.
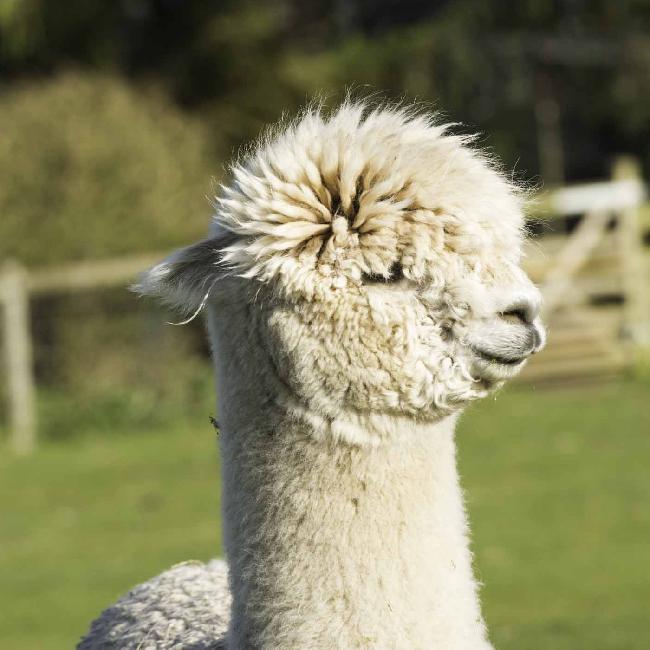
558,487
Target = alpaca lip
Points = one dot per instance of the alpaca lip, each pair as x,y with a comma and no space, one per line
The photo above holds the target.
495,358
507,346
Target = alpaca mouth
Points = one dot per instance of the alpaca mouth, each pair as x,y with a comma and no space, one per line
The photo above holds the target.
496,358
502,351
492,366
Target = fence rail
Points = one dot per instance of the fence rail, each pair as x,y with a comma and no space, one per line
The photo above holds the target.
587,339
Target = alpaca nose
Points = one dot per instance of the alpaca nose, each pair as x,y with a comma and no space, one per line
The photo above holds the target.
523,309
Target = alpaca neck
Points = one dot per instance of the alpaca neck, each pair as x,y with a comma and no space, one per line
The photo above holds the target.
334,545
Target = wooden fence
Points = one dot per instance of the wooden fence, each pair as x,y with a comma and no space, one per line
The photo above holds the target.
589,260
595,279
17,287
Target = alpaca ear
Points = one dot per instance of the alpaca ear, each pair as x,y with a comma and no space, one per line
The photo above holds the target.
185,278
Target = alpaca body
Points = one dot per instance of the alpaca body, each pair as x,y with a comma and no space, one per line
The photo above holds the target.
391,531
185,608
363,284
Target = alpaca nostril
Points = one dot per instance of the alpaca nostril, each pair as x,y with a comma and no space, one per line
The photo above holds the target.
515,315
523,310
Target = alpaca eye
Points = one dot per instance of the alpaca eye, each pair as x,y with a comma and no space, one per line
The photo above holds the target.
395,273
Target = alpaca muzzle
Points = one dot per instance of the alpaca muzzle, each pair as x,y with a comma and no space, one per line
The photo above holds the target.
501,345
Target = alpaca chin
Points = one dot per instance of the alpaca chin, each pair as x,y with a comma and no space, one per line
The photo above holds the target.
360,429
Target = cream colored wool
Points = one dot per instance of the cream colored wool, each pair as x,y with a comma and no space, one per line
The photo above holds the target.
362,285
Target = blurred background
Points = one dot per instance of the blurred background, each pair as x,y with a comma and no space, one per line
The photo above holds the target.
117,119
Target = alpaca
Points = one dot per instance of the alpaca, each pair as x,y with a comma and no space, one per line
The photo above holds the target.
362,284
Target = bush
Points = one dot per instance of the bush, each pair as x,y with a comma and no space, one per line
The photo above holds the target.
92,168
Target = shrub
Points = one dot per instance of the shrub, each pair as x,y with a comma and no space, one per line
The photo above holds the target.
92,168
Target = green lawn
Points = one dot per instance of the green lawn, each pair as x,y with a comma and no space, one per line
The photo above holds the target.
558,486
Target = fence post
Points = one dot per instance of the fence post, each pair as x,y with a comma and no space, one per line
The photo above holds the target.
18,356
636,308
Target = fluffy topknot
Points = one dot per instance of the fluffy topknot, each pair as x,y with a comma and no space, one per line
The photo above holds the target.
332,198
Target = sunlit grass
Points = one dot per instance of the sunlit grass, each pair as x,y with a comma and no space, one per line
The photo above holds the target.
557,485
558,488
83,520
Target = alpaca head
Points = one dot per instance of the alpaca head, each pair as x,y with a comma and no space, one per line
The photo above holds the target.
380,260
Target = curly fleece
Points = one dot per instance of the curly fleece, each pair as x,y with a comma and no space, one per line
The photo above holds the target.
154,615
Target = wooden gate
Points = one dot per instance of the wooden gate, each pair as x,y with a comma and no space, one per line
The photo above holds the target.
591,264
